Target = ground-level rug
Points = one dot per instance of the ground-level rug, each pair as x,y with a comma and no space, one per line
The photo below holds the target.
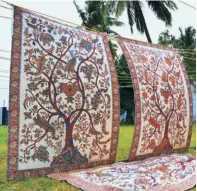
163,173
64,98
163,101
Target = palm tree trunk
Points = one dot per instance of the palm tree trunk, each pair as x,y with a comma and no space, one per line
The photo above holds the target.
145,27
146,32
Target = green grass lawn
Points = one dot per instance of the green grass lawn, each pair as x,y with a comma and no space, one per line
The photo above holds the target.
42,184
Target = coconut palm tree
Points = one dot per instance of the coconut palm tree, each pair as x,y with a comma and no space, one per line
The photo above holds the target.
136,16
188,37
187,42
96,16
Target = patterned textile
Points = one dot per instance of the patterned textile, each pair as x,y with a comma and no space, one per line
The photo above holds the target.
163,99
163,173
64,98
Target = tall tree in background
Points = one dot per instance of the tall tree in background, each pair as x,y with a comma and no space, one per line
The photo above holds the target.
96,16
136,16
186,45
187,41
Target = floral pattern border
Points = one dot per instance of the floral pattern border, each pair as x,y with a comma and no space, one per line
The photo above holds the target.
12,158
134,146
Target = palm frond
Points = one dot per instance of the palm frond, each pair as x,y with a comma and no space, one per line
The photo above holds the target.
171,5
130,13
160,8
139,16
81,12
112,32
114,22
120,8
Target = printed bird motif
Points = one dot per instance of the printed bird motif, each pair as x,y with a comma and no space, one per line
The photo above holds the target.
44,124
86,45
70,66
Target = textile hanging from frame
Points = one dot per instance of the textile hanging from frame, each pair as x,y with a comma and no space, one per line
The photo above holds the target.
163,101
64,98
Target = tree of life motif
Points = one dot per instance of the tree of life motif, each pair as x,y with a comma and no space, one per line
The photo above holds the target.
163,98
67,93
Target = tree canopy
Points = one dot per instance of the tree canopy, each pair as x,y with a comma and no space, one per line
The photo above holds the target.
186,46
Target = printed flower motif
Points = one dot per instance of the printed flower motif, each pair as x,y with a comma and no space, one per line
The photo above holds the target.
41,154
144,94
162,168
70,89
88,71
168,61
165,94
143,58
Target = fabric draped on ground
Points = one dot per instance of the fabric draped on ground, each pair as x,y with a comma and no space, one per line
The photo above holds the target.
163,173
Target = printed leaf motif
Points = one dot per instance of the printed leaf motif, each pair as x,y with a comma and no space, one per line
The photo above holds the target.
153,122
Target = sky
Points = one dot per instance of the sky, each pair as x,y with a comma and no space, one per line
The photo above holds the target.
185,16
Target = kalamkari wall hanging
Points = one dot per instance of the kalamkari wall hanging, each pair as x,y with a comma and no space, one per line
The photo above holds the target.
162,93
64,98
161,173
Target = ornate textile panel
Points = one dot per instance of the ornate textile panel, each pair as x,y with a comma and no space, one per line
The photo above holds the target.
64,98
161,173
163,99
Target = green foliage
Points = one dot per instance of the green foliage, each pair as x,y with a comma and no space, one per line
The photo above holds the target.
136,16
126,89
97,16
47,184
186,43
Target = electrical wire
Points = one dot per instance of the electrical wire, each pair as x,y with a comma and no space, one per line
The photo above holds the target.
188,4
5,7
5,17
4,58
4,76
5,51
49,16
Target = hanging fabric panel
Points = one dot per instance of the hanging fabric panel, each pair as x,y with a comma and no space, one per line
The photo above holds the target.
162,97
64,98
